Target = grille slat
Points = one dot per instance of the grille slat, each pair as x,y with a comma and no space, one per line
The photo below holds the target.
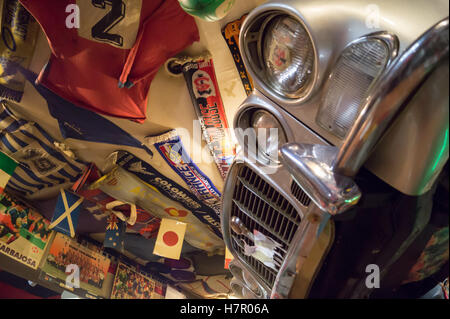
256,264
268,202
254,220
260,207
298,193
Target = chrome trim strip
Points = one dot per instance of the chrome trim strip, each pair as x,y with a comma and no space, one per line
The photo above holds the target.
302,243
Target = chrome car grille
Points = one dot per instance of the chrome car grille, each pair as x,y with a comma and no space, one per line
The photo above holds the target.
260,207
301,196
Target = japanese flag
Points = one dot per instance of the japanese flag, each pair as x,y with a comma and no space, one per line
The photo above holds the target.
170,239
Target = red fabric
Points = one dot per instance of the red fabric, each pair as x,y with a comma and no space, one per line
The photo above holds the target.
87,72
11,292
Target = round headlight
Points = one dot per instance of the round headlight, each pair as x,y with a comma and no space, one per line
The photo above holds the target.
288,56
270,135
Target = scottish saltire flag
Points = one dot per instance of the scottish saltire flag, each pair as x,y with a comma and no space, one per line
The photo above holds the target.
79,123
7,167
114,235
67,211
170,239
41,164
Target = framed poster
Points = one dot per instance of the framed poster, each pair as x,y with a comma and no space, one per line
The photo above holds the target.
130,284
159,291
24,233
76,267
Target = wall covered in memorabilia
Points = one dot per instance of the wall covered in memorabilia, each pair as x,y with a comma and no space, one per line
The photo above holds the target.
223,149
112,161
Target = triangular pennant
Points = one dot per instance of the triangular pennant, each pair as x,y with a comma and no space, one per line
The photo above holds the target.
228,258
81,124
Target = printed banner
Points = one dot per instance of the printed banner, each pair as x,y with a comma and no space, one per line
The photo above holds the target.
19,35
231,34
171,148
170,189
91,267
204,90
130,284
124,186
24,233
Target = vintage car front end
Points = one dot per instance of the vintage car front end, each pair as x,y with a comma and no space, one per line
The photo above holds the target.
331,79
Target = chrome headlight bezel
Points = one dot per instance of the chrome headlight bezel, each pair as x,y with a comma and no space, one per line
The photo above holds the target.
252,41
262,117
244,122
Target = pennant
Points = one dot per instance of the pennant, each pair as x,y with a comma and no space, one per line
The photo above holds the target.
114,235
228,258
99,204
231,34
171,149
7,167
65,219
90,175
151,176
124,186
170,239
204,90
79,123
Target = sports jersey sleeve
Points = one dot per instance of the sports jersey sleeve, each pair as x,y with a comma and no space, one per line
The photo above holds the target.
99,47
165,33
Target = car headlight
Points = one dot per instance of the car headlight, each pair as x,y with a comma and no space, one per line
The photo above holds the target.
358,67
279,54
288,56
270,135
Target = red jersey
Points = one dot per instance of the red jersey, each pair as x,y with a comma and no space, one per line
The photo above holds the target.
107,64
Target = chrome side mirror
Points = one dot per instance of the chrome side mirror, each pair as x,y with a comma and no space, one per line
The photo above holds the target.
311,168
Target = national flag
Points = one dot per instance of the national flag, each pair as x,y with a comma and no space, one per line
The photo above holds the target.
67,211
7,167
114,235
170,239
